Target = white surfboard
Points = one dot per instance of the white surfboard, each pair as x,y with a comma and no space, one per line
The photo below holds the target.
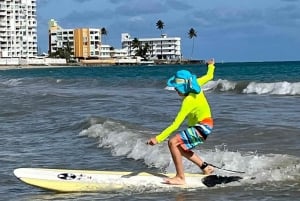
63,180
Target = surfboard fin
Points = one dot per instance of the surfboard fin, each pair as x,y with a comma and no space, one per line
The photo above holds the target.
213,180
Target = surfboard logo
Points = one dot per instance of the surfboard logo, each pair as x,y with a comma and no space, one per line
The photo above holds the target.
66,176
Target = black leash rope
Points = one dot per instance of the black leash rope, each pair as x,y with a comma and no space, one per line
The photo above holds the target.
226,169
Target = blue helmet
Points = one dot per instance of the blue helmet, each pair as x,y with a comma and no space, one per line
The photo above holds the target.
184,82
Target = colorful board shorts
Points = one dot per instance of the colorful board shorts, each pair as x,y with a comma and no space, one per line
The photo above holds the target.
193,136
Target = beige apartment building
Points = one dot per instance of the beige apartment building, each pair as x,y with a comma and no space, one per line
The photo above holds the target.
84,43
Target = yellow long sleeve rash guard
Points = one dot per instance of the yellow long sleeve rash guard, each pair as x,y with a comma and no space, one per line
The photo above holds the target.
194,106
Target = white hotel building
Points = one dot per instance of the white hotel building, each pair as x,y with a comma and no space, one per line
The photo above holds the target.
160,48
18,29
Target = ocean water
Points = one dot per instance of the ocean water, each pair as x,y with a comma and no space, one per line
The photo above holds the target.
99,118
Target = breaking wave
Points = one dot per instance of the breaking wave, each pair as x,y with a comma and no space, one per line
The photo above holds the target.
260,88
130,143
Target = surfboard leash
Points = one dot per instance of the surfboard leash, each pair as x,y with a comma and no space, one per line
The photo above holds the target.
220,168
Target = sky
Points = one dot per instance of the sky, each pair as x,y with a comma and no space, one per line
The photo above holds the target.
227,30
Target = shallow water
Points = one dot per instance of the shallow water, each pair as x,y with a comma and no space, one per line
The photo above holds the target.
100,118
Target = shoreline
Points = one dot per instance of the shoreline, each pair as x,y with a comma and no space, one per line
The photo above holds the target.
99,65
13,67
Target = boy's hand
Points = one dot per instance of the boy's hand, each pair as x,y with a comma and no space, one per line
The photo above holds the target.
152,141
211,61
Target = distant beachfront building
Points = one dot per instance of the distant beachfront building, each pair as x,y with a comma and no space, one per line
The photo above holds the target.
85,45
159,48
82,42
18,29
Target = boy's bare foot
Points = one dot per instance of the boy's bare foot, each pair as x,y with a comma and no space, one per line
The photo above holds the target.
208,170
174,181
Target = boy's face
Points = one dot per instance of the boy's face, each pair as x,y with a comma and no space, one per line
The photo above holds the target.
180,94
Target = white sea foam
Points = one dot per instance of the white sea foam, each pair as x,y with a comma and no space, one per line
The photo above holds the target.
273,88
12,82
169,88
224,85
277,88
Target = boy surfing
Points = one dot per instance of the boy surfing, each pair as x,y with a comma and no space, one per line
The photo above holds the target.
196,110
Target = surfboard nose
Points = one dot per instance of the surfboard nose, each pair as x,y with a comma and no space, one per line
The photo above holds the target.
17,172
23,172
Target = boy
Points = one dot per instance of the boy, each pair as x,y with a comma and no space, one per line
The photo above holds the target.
196,109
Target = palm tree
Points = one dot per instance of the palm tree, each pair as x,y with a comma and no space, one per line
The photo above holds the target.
145,50
136,44
68,52
111,54
192,34
103,32
65,52
140,50
160,25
